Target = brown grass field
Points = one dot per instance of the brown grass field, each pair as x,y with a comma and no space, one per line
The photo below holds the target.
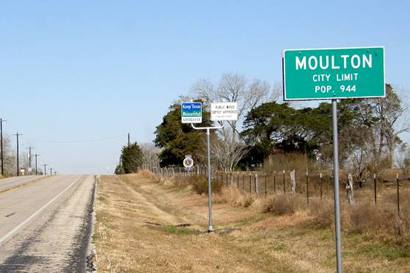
147,225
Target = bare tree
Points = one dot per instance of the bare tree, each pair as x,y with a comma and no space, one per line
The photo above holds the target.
376,135
9,157
229,147
150,155
389,110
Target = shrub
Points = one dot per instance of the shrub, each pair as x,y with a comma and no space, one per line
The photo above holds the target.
322,213
366,217
200,185
282,204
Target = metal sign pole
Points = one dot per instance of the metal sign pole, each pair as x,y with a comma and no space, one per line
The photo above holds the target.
210,227
208,136
336,190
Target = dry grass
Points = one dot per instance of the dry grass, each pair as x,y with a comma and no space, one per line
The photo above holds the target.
137,231
234,197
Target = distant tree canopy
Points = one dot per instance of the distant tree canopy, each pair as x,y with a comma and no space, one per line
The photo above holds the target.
177,140
131,159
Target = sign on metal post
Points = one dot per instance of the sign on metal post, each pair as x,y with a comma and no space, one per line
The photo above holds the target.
343,73
188,162
331,74
191,112
221,111
224,111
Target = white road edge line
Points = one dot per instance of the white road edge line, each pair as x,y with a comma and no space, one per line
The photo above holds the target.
17,228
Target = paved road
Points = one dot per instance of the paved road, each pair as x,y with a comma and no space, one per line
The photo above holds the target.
45,224
13,182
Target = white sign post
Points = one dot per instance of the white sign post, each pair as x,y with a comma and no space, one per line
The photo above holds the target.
220,111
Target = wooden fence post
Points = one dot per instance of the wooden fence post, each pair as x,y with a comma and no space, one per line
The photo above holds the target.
243,182
250,183
274,181
266,185
256,184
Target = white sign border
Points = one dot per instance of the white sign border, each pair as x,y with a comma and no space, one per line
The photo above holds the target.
333,98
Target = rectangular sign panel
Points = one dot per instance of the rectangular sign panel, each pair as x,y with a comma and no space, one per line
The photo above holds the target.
221,111
344,73
191,112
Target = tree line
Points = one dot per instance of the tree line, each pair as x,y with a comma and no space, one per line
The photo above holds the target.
369,129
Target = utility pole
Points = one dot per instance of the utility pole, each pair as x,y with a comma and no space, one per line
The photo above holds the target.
18,153
36,158
1,145
29,159
45,169
129,140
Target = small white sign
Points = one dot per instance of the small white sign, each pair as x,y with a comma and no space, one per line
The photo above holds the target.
188,162
224,111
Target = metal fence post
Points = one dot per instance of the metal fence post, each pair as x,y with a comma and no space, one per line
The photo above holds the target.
307,188
398,194
375,188
284,181
321,186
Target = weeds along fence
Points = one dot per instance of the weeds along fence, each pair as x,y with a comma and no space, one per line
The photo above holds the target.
317,185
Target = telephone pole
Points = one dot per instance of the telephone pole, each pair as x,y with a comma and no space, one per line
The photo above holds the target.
18,152
29,160
45,169
129,140
1,145
36,157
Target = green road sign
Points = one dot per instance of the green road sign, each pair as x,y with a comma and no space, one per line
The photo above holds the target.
317,74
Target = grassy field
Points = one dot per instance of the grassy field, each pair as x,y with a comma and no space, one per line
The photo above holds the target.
146,226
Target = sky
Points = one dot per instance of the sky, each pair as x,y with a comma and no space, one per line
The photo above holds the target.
77,76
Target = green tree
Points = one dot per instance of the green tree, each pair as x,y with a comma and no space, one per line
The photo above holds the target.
131,159
273,126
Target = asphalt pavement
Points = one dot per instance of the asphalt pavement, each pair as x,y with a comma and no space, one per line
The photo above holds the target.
45,223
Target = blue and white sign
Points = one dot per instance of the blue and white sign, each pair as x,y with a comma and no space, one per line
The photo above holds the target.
191,112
